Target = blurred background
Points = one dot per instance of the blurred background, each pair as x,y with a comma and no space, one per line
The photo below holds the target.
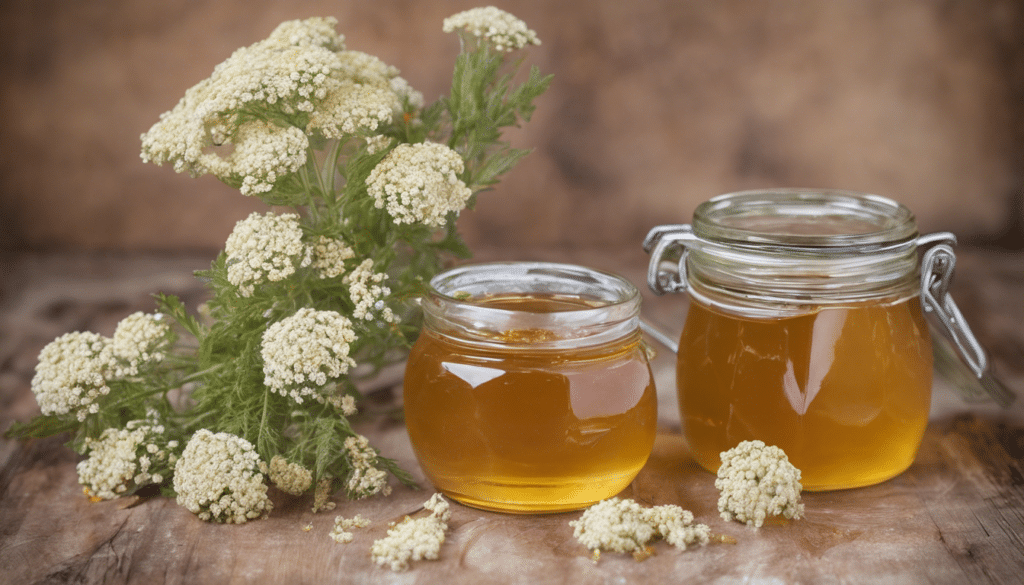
656,106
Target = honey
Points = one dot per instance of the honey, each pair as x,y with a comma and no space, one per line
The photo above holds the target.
526,416
845,392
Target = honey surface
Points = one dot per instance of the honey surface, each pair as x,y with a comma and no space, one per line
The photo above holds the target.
529,431
845,392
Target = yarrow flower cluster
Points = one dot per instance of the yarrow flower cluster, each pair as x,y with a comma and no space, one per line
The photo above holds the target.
364,479
757,481
71,374
75,370
341,533
301,71
263,152
283,73
123,460
329,255
370,94
414,539
322,494
219,477
348,405
624,526
493,25
305,351
367,293
140,338
419,183
290,478
265,248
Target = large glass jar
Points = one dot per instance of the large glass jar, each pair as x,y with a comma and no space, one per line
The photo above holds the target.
805,330
528,390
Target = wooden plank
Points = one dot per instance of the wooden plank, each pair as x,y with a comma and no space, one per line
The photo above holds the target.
955,516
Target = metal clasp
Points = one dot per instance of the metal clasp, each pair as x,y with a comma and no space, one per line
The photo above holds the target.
658,243
937,265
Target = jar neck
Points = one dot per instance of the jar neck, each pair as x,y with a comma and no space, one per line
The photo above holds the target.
795,280
532,305
782,252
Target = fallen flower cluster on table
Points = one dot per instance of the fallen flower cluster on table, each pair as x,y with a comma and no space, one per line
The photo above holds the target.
755,481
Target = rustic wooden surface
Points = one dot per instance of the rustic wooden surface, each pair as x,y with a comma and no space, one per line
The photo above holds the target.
956,516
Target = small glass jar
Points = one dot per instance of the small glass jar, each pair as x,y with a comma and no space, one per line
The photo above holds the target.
528,390
806,329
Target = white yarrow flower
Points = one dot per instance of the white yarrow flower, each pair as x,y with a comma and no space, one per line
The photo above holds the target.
264,248
368,70
367,293
329,255
263,153
342,527
352,108
305,351
123,459
375,144
502,30
364,479
624,526
219,477
419,183
139,338
72,374
290,478
315,32
414,539
322,495
285,74
757,481
348,405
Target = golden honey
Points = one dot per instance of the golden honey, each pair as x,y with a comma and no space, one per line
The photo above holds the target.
522,419
845,392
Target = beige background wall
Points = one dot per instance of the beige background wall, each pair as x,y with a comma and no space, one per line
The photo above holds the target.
656,106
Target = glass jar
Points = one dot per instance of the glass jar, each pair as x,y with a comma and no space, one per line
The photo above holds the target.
528,390
806,329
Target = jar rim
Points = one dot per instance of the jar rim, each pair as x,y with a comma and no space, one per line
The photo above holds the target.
472,276
453,305
822,220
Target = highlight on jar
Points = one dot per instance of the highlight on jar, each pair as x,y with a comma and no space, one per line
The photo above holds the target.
810,327
528,390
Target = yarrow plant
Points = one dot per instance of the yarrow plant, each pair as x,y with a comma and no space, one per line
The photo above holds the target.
366,182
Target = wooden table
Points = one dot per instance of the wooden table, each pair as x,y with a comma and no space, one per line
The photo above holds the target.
956,516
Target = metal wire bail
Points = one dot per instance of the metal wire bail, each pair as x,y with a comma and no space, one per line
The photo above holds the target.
937,265
658,243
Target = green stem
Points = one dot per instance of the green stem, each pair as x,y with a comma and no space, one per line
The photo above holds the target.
129,397
311,170
263,418
330,171
202,373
